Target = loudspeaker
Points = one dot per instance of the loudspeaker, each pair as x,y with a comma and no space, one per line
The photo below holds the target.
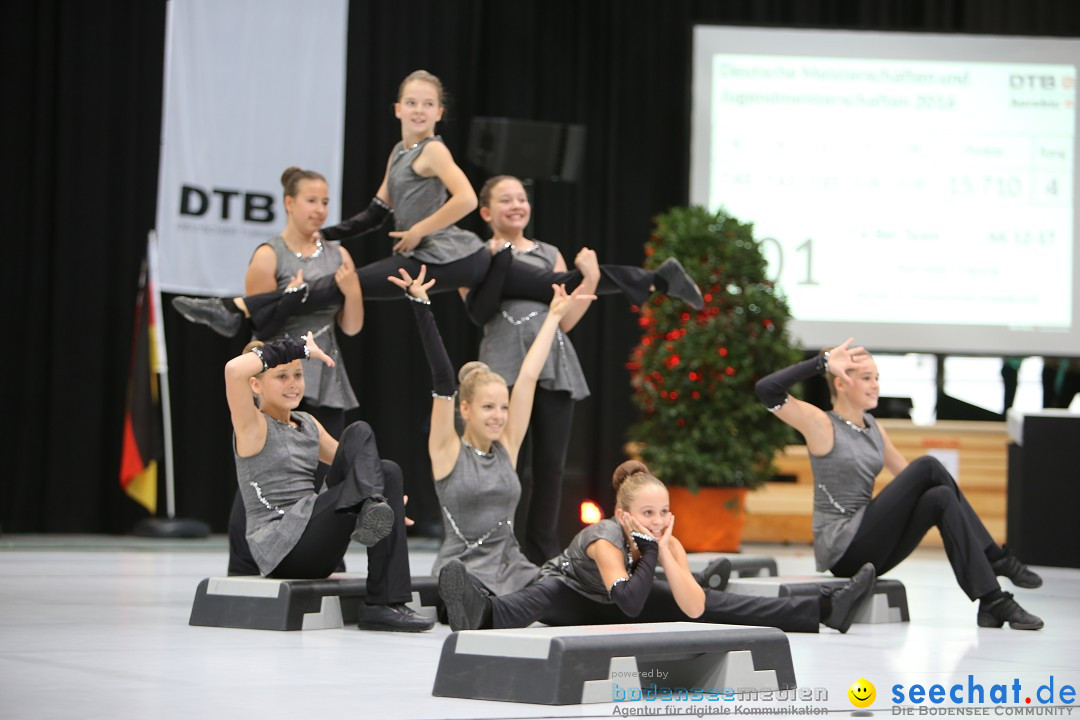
529,149
1044,490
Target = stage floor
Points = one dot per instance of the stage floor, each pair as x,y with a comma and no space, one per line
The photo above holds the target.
96,627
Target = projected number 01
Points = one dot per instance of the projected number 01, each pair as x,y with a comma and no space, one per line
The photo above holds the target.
774,255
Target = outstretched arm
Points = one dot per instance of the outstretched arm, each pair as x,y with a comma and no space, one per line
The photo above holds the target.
369,219
804,417
521,399
443,442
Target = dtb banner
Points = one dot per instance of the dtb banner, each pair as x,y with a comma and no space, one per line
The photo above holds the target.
251,87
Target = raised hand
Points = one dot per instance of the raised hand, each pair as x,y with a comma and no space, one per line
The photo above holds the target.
315,353
416,287
561,302
843,357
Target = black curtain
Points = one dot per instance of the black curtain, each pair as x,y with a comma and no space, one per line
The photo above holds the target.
82,90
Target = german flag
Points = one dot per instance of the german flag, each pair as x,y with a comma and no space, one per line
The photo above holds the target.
142,421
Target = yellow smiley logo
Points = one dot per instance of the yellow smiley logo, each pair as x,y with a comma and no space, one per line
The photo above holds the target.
861,693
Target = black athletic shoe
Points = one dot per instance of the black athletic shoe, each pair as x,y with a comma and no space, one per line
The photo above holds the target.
1006,610
464,603
397,617
680,284
375,521
716,574
1019,573
846,599
209,311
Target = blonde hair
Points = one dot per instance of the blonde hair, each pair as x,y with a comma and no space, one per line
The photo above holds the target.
628,479
472,375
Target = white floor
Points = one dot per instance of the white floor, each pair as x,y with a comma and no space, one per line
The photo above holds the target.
96,627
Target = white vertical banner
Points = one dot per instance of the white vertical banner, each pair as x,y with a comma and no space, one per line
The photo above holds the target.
251,88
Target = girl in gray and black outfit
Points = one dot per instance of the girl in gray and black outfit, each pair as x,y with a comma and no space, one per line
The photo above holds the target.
847,451
474,472
293,530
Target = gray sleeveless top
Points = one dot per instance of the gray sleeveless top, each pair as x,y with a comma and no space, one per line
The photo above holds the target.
414,198
278,488
478,500
323,386
574,566
843,485
508,336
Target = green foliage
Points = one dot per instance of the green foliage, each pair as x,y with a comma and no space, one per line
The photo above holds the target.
701,424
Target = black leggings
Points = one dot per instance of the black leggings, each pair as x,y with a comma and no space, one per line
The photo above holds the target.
553,602
270,310
545,443
923,495
508,278
520,280
356,475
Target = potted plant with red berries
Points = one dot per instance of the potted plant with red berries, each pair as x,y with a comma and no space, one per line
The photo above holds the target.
701,427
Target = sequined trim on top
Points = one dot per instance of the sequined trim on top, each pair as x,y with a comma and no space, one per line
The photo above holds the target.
471,544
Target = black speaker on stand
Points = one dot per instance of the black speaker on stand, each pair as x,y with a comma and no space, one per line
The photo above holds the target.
529,149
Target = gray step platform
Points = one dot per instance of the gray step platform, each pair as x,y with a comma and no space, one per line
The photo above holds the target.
887,604
259,603
741,565
605,663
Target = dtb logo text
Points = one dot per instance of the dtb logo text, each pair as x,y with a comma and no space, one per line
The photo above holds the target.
224,203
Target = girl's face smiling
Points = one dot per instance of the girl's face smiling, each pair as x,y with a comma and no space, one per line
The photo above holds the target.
419,108
280,387
864,389
508,211
651,508
486,415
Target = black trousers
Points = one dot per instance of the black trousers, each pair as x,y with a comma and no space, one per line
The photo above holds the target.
523,281
922,496
356,475
241,561
508,278
270,310
553,602
545,450
528,282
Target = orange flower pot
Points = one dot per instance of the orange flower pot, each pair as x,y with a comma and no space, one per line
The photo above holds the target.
710,520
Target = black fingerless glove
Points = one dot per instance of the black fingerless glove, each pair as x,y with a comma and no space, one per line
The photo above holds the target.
773,388
363,222
630,595
280,352
442,372
482,302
